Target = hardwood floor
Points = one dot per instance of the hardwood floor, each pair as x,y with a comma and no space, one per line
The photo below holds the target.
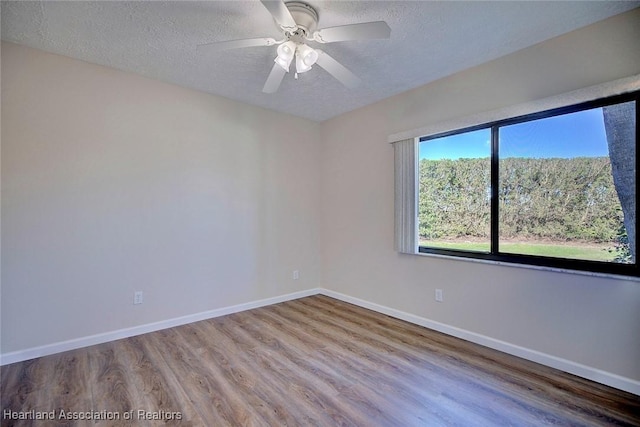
312,361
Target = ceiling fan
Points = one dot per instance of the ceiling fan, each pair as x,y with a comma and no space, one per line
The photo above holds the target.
298,22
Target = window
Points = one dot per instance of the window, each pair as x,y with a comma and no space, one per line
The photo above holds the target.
555,189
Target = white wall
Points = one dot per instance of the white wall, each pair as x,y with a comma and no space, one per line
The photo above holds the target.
586,320
112,183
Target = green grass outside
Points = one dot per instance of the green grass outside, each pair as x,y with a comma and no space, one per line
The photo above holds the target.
564,250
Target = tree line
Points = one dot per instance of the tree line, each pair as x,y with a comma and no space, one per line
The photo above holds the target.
539,198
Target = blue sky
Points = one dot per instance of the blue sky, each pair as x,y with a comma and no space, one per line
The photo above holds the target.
578,134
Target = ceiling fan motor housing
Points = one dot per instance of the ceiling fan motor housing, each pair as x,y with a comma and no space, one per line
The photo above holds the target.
305,16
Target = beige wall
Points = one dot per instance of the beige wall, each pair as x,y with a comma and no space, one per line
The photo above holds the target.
112,183
591,321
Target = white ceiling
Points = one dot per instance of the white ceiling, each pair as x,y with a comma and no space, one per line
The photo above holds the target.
429,40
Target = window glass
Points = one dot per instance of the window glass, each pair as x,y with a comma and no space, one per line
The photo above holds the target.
562,185
454,200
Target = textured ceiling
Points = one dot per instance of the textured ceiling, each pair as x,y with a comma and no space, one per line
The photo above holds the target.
429,40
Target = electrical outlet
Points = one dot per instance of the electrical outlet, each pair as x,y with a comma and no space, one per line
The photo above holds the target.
137,297
439,297
296,274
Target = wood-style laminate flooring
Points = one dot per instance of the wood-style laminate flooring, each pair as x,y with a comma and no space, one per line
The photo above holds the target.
311,361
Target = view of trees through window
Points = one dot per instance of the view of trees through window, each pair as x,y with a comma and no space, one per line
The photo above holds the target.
454,203
565,187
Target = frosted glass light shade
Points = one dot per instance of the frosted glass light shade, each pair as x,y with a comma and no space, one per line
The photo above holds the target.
305,58
286,52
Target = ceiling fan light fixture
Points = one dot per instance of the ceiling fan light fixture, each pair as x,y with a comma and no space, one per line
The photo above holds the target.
284,63
305,58
301,67
286,51
308,54
298,22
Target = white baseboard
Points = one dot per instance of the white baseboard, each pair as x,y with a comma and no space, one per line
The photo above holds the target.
593,374
45,350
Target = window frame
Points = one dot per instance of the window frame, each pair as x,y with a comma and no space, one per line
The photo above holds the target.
533,260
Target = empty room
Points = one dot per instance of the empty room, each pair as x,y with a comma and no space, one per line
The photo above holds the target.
362,213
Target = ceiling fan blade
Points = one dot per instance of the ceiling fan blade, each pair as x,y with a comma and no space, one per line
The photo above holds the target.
275,78
337,70
235,44
281,14
364,31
